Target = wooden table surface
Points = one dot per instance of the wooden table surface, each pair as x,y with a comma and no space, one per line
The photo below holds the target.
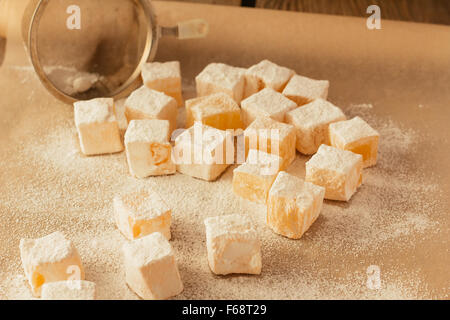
428,11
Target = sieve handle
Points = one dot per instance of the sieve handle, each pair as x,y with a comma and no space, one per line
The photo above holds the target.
191,29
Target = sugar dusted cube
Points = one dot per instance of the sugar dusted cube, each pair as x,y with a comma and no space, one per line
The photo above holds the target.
233,245
69,290
293,205
266,74
97,126
149,152
49,259
145,103
266,103
253,179
219,77
311,123
203,152
270,136
140,213
150,268
357,136
164,77
303,90
218,110
338,171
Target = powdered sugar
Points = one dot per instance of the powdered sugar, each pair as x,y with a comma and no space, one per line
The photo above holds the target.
47,186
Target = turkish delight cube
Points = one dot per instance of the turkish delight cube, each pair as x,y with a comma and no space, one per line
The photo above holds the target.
311,123
357,136
141,213
164,77
266,103
149,152
338,171
204,152
253,179
219,77
303,90
145,103
232,245
266,74
217,110
49,259
293,205
270,136
151,270
97,126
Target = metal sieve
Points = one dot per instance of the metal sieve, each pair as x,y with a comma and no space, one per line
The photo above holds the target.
84,49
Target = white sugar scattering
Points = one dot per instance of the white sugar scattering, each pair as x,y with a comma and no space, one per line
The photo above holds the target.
50,186
359,107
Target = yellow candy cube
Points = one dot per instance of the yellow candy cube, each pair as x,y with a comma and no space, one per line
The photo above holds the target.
49,259
311,123
203,152
97,126
141,213
145,103
233,245
266,103
266,74
293,205
217,110
270,136
253,179
338,171
303,90
149,152
164,77
219,77
151,270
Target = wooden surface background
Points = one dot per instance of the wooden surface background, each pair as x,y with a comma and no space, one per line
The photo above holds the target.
427,11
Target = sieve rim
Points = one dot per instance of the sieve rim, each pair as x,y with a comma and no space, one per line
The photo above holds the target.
149,53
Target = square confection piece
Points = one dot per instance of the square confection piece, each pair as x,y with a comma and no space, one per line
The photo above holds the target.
357,136
233,245
150,268
338,171
304,90
140,213
164,77
266,103
253,179
218,110
270,136
49,259
97,126
145,103
149,152
293,205
266,74
219,77
69,290
204,152
311,123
